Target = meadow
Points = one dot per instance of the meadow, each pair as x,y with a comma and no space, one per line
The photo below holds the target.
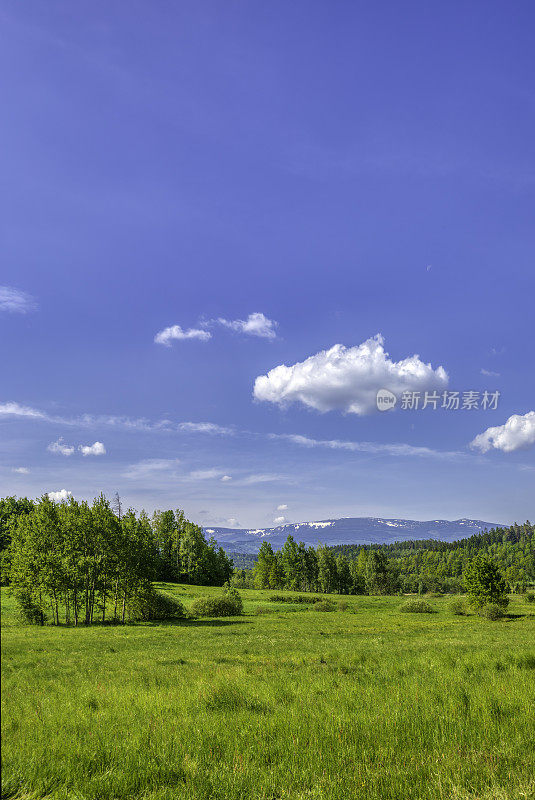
282,703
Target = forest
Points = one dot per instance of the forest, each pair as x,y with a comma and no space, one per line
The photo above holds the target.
93,563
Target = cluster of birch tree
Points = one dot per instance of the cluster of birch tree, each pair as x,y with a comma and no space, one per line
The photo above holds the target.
78,563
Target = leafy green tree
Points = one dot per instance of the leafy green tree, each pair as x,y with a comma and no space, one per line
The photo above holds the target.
484,583
264,566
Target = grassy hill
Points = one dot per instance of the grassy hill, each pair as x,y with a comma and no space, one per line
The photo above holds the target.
282,703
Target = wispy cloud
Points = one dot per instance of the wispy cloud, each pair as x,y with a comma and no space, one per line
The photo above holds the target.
175,332
489,373
15,301
16,410
397,449
21,470
151,466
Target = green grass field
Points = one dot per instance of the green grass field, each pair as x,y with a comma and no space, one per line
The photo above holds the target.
290,704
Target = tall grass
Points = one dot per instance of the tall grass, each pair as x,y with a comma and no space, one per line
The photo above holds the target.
290,705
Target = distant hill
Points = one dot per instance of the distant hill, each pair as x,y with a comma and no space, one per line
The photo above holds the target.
347,530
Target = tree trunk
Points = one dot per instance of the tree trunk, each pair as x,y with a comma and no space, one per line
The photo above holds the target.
104,600
124,606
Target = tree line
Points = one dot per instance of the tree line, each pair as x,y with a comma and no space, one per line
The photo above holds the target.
426,566
82,563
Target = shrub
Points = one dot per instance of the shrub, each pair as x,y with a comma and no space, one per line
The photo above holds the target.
458,607
230,605
492,611
417,607
283,598
150,604
29,612
529,597
324,605
262,610
343,605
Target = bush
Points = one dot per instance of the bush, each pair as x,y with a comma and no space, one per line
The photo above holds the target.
230,605
417,607
529,597
458,607
29,612
150,605
324,605
492,611
283,598
343,605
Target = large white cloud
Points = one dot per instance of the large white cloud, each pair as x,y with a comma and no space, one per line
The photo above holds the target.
347,378
517,432
15,301
176,332
256,324
60,496
95,449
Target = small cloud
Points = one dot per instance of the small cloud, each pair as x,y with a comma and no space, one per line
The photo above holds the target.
497,351
204,427
255,325
17,410
15,301
490,373
167,335
282,507
96,449
428,268
279,520
59,448
205,474
21,470
518,432
60,496
150,466
226,478
233,522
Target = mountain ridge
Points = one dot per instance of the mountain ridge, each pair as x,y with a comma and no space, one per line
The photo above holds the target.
347,530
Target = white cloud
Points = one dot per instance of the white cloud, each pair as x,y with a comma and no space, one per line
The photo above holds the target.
347,378
400,449
490,373
59,448
517,432
150,466
205,474
204,427
263,477
255,325
279,520
96,449
166,336
226,478
59,497
282,507
21,470
15,301
17,410
233,522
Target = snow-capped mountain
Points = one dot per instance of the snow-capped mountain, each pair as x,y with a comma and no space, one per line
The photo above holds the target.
348,530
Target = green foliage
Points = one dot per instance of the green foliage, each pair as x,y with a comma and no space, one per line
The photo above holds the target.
484,583
324,605
417,607
290,598
229,605
458,607
529,597
148,604
492,611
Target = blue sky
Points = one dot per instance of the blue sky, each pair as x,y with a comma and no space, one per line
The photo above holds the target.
357,174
